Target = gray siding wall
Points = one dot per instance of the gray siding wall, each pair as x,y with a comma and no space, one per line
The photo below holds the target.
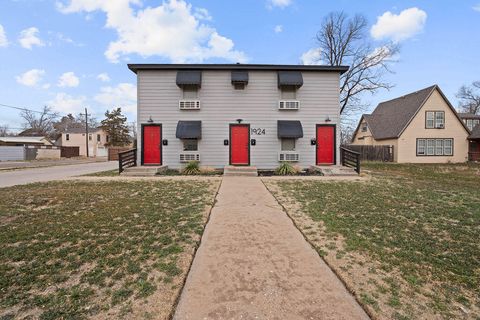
221,105
11,153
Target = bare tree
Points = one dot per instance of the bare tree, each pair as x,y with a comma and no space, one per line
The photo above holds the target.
39,123
4,131
469,98
344,41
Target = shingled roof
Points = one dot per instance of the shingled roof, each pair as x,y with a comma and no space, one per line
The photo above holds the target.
391,117
475,133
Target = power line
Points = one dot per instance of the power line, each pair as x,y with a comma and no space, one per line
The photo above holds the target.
27,109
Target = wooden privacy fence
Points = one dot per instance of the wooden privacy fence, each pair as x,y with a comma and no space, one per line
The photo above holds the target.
114,151
69,152
374,153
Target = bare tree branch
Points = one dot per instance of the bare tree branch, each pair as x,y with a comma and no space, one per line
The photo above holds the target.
469,98
343,41
39,125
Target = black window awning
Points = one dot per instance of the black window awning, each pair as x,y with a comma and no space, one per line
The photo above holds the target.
189,78
189,130
290,79
289,129
240,76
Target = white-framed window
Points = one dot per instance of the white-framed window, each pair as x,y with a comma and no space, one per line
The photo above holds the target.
289,93
448,147
440,119
421,147
472,123
67,137
98,138
288,144
439,147
435,119
190,145
190,92
434,147
430,147
90,137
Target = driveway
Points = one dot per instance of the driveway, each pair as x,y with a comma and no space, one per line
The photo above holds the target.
24,176
253,263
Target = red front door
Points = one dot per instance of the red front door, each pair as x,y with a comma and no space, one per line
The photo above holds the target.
325,144
239,144
152,144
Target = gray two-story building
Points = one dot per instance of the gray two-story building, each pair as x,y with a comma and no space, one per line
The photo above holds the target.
237,114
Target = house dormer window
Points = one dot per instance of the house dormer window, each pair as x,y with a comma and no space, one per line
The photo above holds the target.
435,120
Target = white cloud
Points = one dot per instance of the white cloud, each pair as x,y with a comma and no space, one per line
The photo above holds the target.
31,78
278,28
477,7
28,38
66,103
68,79
3,37
311,57
398,27
278,3
104,77
172,30
202,14
124,95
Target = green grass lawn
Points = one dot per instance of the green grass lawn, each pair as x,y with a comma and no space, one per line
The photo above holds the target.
72,250
414,228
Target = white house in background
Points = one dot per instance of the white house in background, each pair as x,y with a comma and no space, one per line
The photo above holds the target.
75,137
24,141
237,114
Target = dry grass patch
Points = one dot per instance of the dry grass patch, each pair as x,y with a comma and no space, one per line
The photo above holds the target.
406,241
117,249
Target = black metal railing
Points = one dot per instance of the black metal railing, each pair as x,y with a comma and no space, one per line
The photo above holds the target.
127,159
350,159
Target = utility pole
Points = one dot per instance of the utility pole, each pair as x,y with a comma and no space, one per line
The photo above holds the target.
86,129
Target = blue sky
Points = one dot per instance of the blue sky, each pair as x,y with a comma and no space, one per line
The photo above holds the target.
73,53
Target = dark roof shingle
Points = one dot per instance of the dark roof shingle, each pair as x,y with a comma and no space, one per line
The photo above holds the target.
391,117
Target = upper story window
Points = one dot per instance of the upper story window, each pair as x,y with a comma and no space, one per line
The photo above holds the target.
190,92
435,120
67,137
364,127
98,138
289,93
90,137
471,123
239,79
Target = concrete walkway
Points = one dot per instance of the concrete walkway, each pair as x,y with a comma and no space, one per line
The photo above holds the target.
254,264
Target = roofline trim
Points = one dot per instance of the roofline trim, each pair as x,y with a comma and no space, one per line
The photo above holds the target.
271,67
